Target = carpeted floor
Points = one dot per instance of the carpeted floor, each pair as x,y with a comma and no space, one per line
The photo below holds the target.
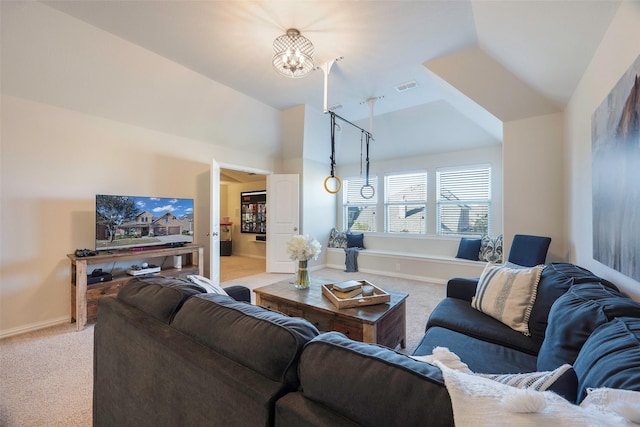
46,376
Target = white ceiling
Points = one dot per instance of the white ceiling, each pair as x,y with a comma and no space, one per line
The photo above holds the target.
543,47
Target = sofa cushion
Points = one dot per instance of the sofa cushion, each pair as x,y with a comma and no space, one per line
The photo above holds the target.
480,356
458,315
469,249
371,385
555,280
508,294
575,315
610,357
160,297
271,342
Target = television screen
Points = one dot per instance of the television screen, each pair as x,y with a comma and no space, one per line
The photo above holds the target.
133,221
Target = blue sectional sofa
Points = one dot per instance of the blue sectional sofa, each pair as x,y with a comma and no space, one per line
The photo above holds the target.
211,360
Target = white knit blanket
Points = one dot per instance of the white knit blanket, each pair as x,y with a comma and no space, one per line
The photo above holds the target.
478,401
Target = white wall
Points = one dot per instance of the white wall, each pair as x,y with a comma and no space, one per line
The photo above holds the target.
69,96
618,50
54,162
318,207
534,194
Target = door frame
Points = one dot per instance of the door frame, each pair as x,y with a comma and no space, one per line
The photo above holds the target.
215,209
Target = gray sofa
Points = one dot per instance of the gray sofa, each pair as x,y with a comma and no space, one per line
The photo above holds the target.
179,357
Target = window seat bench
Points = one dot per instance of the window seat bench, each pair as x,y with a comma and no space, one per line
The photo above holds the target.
408,265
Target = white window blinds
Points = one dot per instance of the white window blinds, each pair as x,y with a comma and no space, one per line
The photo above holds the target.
406,203
464,200
359,212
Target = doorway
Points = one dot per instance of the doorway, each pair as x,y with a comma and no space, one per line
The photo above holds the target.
244,255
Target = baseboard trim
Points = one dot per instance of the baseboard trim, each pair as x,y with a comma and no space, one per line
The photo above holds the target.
34,327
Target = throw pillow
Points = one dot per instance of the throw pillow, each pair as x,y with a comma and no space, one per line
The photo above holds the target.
508,294
491,249
469,249
562,380
355,240
337,239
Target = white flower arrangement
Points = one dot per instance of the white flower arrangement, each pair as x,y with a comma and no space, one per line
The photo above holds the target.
303,248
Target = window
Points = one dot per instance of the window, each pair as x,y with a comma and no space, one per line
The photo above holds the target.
464,200
359,213
406,203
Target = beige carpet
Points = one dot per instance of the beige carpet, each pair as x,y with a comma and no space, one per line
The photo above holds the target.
46,376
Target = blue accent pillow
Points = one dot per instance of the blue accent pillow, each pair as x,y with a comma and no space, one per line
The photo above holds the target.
355,240
469,249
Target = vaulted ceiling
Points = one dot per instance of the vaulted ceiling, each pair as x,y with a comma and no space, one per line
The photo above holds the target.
476,63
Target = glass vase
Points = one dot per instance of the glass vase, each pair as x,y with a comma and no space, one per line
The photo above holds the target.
302,276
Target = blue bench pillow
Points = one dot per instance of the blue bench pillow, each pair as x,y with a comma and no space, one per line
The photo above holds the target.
469,249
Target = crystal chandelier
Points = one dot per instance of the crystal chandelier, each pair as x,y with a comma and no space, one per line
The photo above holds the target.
292,54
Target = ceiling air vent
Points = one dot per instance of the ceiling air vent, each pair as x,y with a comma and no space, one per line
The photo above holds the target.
406,86
335,107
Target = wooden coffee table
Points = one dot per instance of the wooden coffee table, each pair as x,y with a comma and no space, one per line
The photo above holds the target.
383,324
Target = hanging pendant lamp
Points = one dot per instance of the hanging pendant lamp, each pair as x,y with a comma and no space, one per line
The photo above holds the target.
293,54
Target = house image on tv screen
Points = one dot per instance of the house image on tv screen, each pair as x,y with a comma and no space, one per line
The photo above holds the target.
131,221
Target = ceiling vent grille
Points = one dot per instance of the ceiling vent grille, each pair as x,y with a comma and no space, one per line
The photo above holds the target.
335,107
406,86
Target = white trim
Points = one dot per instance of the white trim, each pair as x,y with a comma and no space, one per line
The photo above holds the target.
34,327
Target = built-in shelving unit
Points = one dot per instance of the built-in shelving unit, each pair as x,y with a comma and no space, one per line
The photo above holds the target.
84,298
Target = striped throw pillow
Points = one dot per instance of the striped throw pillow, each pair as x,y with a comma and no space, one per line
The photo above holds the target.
508,294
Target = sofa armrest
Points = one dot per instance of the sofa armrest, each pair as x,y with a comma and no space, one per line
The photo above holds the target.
239,293
462,288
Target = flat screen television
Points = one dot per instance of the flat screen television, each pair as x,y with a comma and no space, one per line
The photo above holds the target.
137,222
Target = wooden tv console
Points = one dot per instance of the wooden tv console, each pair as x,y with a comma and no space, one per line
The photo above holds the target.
84,298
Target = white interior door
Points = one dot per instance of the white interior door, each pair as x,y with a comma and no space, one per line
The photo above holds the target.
214,258
283,220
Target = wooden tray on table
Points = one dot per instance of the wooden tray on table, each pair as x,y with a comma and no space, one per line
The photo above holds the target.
379,296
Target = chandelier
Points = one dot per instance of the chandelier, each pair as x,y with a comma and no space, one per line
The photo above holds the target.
292,54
